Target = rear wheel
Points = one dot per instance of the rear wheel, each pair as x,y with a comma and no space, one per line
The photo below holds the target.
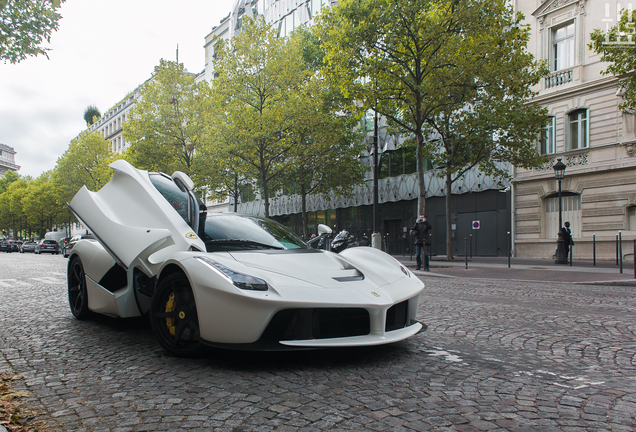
77,293
174,319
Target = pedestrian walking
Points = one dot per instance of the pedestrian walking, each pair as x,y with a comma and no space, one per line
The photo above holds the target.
420,232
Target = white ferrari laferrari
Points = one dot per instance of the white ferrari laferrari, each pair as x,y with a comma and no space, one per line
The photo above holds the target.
225,279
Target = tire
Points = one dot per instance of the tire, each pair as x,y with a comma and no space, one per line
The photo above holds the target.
77,292
173,316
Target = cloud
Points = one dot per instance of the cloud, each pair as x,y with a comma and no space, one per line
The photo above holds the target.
102,51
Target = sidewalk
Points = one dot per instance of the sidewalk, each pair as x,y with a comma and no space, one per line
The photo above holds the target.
527,269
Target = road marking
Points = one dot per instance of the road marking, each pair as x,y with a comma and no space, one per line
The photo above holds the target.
10,283
570,382
48,279
447,355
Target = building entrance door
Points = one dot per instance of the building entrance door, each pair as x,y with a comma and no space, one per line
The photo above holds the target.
393,241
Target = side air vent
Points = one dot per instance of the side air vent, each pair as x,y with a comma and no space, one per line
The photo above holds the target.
114,279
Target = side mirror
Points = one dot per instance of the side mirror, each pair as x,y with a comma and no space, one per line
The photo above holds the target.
181,178
324,229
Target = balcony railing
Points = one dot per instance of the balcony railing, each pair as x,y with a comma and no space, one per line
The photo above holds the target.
558,78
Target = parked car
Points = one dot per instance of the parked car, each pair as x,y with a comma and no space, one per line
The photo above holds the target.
67,247
28,246
6,246
9,246
47,246
227,280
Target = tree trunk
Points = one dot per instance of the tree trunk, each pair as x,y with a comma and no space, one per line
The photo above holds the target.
303,209
236,193
421,198
265,195
449,219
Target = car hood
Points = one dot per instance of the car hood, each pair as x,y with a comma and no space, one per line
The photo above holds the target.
323,268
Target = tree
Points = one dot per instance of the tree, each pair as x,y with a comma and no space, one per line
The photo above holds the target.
456,70
8,178
384,54
326,144
91,114
618,47
85,162
11,209
255,101
25,25
488,120
167,128
41,203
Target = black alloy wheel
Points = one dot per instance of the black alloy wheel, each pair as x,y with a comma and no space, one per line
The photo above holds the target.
174,319
77,293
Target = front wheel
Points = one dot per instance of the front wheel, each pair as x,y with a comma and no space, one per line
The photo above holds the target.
77,293
174,319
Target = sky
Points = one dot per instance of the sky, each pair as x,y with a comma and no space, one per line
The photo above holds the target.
102,51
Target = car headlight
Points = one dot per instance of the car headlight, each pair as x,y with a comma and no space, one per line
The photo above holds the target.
239,280
406,271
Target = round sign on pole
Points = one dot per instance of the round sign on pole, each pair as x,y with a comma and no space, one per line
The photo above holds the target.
476,224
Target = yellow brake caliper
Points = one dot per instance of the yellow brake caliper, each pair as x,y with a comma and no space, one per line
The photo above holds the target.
169,308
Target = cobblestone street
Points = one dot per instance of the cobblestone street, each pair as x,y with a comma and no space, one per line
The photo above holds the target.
497,356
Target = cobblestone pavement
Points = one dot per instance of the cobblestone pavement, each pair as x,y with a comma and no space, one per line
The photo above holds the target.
498,356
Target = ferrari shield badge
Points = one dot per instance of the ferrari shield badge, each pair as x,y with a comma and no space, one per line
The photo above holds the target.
191,235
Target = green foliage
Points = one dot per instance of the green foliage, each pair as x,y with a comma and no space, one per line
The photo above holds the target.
412,61
41,203
25,25
255,102
91,115
85,162
8,178
326,143
168,127
487,117
458,71
618,47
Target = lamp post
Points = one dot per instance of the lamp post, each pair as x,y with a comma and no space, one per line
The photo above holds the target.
559,174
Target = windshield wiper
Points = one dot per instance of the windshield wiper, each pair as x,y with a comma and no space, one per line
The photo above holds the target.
244,242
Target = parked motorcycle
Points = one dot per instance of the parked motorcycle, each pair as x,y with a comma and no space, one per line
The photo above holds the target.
323,240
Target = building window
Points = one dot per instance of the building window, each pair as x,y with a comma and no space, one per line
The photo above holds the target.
571,208
547,143
578,129
563,47
631,218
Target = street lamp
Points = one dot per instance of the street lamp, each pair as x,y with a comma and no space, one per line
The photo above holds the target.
559,174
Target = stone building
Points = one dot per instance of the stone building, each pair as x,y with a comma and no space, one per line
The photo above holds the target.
7,159
587,131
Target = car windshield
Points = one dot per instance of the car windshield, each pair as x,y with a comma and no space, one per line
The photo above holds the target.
49,242
235,232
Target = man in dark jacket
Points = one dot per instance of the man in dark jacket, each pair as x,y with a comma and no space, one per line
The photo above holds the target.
567,238
420,231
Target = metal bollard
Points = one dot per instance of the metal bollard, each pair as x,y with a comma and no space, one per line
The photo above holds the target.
571,253
634,258
594,248
620,250
466,252
471,246
509,247
616,249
